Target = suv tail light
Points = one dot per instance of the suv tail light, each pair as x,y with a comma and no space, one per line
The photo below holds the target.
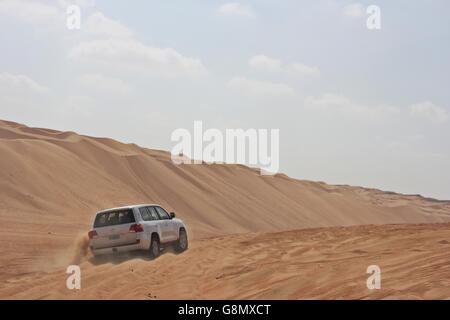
92,234
136,228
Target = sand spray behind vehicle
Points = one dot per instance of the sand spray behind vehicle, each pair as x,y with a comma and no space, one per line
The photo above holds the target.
80,248
73,253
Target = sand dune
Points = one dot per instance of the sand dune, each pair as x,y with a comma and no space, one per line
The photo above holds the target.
51,184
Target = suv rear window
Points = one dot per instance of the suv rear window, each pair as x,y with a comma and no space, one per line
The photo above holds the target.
112,218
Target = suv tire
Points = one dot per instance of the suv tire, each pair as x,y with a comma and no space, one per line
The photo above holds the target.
182,242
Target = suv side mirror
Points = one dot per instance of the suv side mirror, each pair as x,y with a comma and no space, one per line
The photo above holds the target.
172,215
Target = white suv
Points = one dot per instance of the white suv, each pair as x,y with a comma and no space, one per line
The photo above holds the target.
136,227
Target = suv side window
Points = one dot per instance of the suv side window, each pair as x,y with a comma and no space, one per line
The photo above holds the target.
163,215
145,214
153,214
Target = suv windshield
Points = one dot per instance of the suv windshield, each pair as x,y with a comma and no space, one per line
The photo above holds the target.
112,218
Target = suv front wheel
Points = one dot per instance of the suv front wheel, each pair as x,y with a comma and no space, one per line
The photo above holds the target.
154,247
182,243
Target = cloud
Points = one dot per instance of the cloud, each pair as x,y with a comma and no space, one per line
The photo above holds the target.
334,104
100,25
429,111
109,43
104,41
264,63
81,3
303,69
236,9
104,84
23,98
20,84
260,88
32,12
132,55
42,13
354,10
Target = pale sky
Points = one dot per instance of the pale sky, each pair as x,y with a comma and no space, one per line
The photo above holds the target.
354,106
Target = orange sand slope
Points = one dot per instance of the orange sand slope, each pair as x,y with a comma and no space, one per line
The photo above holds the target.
49,177
328,263
51,184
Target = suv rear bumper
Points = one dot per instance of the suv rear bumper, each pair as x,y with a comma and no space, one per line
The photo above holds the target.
139,245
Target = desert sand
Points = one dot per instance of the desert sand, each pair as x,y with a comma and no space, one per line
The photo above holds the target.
325,263
252,236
